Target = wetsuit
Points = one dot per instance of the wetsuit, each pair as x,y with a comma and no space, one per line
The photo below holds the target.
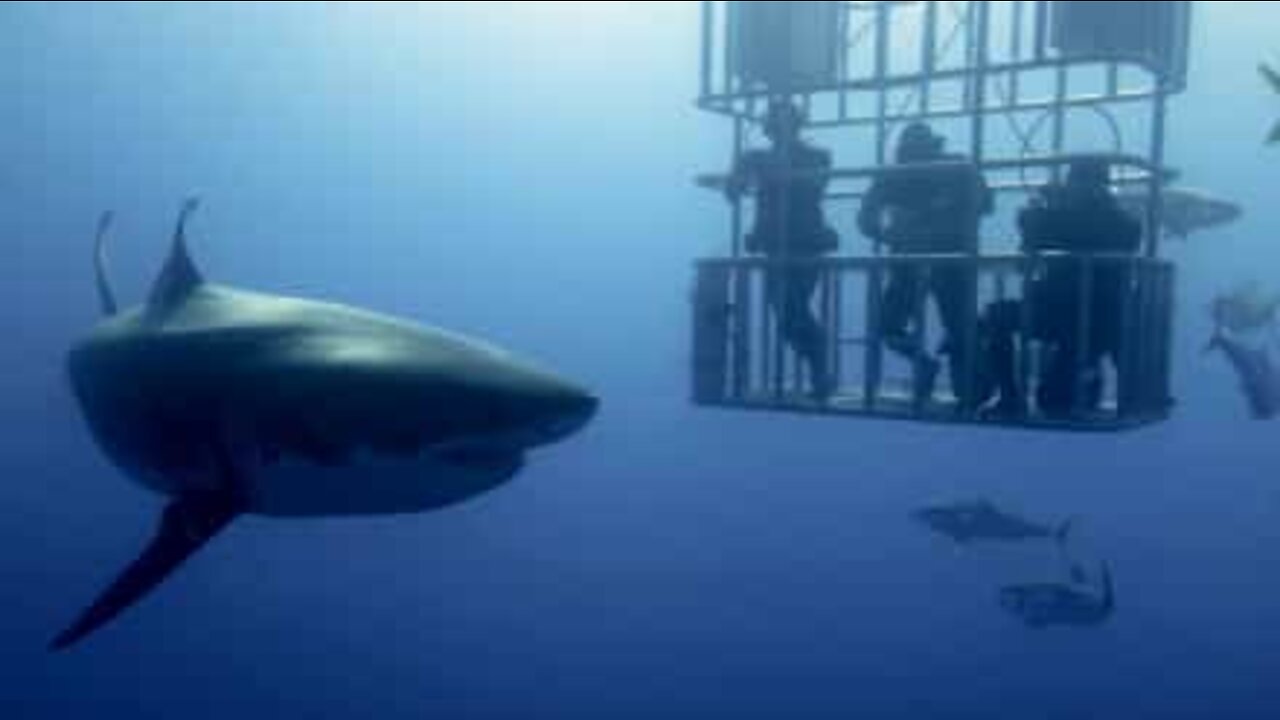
928,210
790,225
1078,221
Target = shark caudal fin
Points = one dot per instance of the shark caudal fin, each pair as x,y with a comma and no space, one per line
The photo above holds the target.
1274,137
180,277
186,526
1271,76
1063,534
1273,79
106,293
1108,589
1216,343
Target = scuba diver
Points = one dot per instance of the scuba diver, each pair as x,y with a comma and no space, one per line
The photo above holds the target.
789,180
931,203
1080,217
1043,605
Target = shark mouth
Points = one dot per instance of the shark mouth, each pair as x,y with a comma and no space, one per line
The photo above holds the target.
483,459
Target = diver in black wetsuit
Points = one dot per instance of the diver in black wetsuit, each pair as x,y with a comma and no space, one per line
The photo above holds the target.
933,209
789,180
1081,216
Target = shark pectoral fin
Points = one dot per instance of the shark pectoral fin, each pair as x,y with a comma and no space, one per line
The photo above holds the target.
187,524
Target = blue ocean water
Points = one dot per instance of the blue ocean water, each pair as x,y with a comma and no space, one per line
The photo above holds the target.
522,172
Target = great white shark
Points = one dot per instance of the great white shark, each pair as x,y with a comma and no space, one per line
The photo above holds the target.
232,403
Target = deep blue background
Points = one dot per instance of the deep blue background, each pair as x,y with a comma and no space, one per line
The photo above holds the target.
521,171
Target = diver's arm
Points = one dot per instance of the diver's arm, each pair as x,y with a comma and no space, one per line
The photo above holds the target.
1128,232
823,166
745,174
871,213
986,198
1033,222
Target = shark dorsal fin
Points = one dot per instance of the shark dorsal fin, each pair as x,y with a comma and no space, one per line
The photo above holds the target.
106,293
180,277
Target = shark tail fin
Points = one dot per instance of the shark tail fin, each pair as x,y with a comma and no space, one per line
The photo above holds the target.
187,524
1108,588
1271,76
106,293
1063,534
1215,342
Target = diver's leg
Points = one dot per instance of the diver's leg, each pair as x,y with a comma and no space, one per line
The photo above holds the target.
901,306
1057,324
804,331
1106,313
1000,363
1056,393
951,288
898,312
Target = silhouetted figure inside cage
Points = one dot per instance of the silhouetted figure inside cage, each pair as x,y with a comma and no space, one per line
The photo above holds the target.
789,180
931,203
1080,297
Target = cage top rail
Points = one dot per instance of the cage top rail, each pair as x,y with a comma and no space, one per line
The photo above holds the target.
1002,262
1140,169
887,81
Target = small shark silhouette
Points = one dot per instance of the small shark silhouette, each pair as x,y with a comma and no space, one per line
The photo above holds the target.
232,403
1259,380
1247,309
981,521
1043,605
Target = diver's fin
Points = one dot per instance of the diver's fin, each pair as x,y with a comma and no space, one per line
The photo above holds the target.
180,276
106,293
187,524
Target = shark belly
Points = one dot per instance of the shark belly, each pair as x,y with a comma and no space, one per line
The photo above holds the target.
372,484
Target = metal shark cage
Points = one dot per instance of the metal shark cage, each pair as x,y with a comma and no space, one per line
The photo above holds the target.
1027,87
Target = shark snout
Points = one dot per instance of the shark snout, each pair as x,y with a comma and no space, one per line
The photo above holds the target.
566,412
533,408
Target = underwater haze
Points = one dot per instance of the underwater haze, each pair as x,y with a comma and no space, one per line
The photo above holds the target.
522,172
